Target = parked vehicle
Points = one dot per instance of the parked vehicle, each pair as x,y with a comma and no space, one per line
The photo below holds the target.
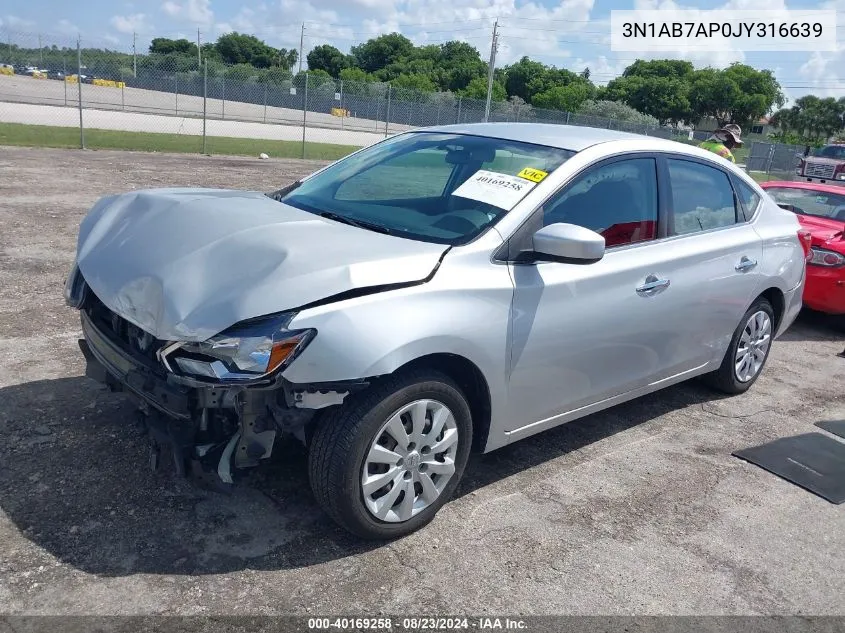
825,166
55,74
821,211
455,287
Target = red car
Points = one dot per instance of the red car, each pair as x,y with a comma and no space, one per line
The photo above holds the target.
821,211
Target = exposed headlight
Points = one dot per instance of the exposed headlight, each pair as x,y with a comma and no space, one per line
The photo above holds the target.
829,259
246,351
75,288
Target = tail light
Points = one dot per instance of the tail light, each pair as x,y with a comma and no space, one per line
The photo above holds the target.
806,243
829,259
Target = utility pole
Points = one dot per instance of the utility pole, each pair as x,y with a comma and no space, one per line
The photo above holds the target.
134,55
494,47
199,54
301,42
79,90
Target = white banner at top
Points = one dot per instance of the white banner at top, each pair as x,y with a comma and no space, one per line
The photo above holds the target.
700,30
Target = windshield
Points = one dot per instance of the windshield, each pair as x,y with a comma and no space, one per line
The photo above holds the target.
832,151
429,186
809,202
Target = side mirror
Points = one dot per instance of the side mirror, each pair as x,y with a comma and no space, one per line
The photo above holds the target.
568,243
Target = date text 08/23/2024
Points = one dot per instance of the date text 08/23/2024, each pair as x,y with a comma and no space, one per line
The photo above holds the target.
417,624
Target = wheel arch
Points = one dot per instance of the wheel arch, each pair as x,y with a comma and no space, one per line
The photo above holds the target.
472,383
775,297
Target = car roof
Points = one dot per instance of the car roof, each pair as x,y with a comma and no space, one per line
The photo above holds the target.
811,186
571,137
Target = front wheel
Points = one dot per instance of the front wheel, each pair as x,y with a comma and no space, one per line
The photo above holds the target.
384,463
748,351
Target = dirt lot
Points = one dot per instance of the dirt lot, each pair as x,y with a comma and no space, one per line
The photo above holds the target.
640,509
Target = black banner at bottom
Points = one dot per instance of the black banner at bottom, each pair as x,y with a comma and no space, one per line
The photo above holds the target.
417,623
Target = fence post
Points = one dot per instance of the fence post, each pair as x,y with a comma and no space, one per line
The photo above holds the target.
176,78
387,113
265,103
79,91
122,95
342,111
459,110
204,102
567,118
304,112
223,77
64,76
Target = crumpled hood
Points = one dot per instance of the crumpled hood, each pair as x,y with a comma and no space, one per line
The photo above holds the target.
185,264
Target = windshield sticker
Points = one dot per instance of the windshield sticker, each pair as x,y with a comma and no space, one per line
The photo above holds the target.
534,175
499,190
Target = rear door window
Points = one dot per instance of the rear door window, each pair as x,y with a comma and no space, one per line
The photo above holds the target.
750,198
702,197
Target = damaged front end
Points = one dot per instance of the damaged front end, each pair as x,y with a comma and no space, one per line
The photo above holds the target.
216,406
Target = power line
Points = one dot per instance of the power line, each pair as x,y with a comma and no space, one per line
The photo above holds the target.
456,22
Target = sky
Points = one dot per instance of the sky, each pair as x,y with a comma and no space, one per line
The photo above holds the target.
571,34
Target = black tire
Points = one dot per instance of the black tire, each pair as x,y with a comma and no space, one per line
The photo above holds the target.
342,439
724,379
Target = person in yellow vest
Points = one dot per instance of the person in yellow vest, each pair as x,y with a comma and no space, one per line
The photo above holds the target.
723,140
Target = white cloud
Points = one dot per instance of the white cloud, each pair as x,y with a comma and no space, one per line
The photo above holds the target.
194,11
14,22
134,23
66,27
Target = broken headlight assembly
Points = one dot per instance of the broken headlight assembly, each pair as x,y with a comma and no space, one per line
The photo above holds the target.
246,351
75,288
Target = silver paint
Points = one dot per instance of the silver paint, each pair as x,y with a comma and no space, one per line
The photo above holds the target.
553,341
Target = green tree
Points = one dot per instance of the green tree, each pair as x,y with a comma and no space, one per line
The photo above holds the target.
759,92
567,98
666,98
739,94
237,48
414,82
667,68
329,59
811,120
277,75
617,111
241,73
657,87
477,89
381,51
518,76
165,46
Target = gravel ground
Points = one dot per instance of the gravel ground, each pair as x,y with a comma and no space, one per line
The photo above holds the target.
637,510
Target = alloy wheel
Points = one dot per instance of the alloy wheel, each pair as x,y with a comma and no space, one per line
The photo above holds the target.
753,346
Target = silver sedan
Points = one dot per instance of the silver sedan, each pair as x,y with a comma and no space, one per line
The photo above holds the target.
445,290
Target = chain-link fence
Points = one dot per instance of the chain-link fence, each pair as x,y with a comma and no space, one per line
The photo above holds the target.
78,93
773,161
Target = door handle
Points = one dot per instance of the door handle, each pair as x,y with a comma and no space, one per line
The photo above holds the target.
745,264
652,285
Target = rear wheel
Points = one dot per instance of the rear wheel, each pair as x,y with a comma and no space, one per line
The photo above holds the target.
383,465
748,351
